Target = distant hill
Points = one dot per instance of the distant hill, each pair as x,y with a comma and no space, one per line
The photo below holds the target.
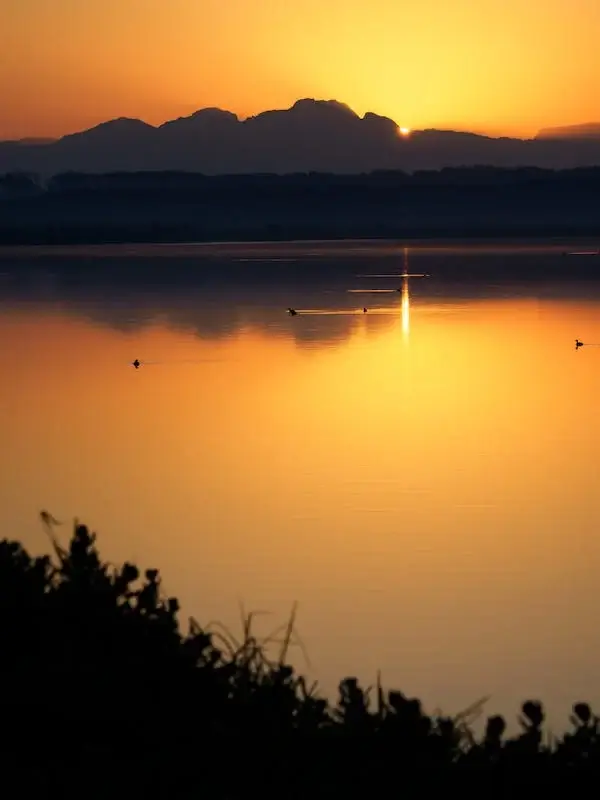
311,136
590,130
31,140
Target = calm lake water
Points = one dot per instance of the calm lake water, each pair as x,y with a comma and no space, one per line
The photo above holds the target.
422,479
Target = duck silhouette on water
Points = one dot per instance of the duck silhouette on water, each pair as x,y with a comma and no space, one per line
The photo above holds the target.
578,344
137,364
292,312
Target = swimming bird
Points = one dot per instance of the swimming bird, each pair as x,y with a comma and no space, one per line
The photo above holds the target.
136,364
578,344
364,310
292,312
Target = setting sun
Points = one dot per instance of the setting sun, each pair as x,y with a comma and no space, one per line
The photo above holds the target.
404,131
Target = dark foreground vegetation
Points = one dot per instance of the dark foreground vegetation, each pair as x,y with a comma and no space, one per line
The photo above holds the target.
103,695
77,208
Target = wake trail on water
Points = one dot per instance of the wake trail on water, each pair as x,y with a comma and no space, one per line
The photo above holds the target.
183,361
319,312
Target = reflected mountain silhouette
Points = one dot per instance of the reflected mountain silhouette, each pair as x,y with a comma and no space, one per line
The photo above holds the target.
217,297
212,310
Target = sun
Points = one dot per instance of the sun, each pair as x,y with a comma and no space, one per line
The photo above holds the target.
404,131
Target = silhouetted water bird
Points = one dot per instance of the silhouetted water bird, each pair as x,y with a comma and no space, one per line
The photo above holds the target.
578,344
364,310
136,364
292,312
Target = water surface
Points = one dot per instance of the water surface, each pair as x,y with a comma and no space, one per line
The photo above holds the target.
421,479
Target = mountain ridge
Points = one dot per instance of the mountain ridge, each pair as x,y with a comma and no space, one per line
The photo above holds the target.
310,136
586,130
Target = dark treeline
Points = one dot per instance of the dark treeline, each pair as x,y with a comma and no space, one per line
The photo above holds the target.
104,695
197,184
178,206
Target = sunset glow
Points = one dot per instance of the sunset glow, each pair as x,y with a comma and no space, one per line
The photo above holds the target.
508,67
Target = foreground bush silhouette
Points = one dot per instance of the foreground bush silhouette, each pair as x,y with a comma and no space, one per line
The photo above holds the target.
101,689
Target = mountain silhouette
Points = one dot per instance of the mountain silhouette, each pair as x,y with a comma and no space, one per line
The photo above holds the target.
589,130
311,136
32,140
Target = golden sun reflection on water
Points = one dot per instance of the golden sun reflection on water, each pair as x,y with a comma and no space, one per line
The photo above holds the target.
405,307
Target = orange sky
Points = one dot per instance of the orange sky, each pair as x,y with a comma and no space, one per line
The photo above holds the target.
495,66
